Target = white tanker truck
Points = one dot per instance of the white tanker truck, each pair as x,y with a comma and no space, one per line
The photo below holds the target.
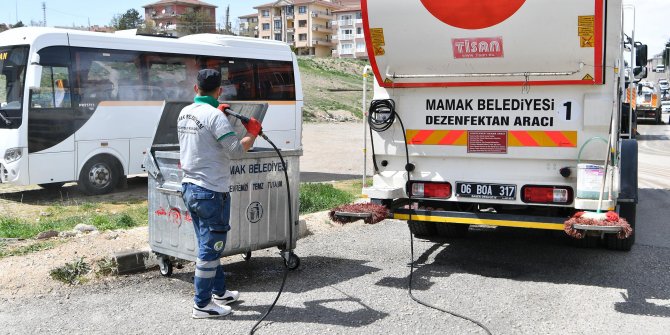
503,113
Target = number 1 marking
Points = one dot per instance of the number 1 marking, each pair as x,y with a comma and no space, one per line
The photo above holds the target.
568,110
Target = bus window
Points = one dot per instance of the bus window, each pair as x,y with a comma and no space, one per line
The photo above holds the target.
12,75
240,75
169,76
109,75
234,86
275,80
54,91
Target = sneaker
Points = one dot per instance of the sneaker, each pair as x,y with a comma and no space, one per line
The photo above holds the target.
226,298
212,310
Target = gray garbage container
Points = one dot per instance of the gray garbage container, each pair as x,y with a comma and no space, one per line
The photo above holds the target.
259,207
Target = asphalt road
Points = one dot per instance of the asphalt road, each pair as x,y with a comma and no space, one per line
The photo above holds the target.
353,280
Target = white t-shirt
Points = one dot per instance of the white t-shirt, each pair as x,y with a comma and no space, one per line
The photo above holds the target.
204,160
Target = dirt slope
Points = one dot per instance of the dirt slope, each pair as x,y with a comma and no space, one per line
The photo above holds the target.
333,88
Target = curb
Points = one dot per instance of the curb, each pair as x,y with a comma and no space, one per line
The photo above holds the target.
134,261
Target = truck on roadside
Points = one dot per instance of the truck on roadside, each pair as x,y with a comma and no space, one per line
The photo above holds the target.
490,114
648,102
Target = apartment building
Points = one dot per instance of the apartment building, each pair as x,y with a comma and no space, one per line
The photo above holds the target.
304,24
166,14
248,25
348,33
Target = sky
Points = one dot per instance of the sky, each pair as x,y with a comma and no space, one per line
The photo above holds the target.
651,15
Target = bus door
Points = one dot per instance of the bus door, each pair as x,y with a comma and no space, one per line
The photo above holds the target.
51,120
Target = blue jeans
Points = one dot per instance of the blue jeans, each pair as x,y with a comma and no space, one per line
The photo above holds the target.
210,212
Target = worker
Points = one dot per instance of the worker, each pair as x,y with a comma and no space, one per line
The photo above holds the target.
207,144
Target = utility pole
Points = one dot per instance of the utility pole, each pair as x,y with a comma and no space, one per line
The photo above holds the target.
227,22
44,13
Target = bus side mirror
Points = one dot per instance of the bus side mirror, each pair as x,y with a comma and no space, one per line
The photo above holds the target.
641,55
34,81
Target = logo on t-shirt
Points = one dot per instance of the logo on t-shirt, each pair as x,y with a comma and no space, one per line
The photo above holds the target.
186,127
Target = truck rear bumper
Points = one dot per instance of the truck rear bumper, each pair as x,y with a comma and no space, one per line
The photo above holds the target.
504,220
644,113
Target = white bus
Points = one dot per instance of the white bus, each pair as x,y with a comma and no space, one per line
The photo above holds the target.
82,106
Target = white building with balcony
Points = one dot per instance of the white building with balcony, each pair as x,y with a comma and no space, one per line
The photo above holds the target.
348,33
304,24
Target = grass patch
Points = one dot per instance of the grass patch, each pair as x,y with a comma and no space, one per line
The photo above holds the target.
71,273
106,267
327,104
315,197
66,219
6,251
332,67
354,187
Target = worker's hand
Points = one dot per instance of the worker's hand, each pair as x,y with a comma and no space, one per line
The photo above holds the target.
253,127
223,107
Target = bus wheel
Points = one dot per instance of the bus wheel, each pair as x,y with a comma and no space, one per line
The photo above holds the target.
628,212
51,186
99,175
422,228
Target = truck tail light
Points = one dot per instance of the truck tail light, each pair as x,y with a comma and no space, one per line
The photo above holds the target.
547,194
431,190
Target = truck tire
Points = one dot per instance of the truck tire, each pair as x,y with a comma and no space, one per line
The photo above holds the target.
453,230
99,175
422,228
659,116
588,242
627,211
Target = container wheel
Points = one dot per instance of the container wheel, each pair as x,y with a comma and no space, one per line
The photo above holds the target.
456,230
99,175
293,261
422,228
628,212
165,266
247,256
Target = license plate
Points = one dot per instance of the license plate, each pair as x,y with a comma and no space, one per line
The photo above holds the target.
486,191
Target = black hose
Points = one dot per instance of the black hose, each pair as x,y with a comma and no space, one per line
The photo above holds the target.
384,116
381,116
290,234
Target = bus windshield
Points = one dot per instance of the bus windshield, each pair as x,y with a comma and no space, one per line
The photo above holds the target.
13,61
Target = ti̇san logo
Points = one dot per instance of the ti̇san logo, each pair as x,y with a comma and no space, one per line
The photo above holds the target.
254,212
472,14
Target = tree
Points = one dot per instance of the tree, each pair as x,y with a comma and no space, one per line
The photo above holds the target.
196,22
148,28
18,24
131,19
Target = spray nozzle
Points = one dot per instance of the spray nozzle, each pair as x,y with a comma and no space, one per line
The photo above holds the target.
252,125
